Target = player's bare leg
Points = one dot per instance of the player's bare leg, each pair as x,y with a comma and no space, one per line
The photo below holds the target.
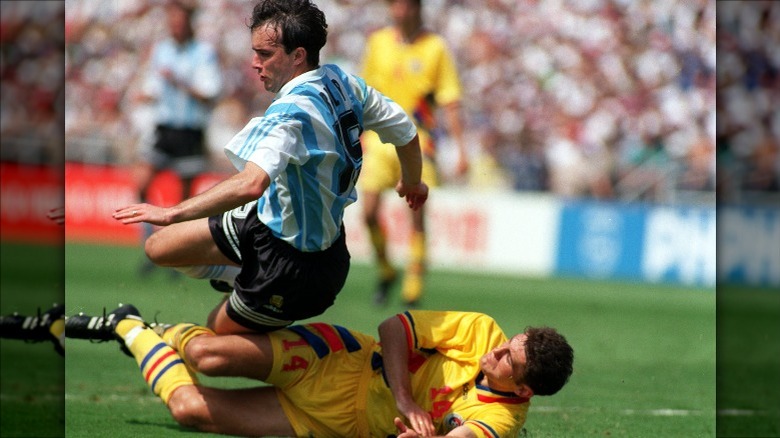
243,412
245,355
414,279
387,274
185,244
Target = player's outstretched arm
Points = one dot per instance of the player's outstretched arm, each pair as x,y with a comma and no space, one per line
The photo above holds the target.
245,186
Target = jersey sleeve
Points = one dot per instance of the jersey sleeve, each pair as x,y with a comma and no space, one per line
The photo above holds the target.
153,82
208,78
447,88
271,142
368,69
462,336
385,117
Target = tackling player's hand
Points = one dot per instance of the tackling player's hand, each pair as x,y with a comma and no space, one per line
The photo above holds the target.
135,213
415,195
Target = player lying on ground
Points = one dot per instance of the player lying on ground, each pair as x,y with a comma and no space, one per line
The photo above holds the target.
452,373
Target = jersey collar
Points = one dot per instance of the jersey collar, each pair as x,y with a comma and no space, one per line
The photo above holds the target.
304,77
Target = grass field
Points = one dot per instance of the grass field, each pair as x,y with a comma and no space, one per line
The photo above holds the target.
644,354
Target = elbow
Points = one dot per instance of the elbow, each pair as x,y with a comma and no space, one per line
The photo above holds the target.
390,325
253,185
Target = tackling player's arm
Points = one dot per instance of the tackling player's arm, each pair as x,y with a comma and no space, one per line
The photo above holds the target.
395,356
245,186
410,186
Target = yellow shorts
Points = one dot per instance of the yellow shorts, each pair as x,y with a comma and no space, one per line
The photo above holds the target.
381,169
322,370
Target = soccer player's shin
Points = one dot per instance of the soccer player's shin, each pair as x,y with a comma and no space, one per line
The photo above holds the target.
413,282
379,241
162,368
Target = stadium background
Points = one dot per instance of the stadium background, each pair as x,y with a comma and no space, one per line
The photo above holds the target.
592,126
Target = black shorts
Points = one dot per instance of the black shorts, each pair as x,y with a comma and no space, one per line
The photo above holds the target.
181,149
278,284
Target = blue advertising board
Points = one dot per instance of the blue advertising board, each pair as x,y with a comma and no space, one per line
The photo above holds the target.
661,244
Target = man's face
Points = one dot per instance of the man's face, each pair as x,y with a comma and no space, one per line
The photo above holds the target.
178,23
274,66
504,362
403,11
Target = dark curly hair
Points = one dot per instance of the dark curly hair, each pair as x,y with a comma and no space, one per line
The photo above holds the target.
549,359
300,22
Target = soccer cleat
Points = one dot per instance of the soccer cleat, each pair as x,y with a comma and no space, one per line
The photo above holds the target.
30,328
101,328
221,286
383,287
33,328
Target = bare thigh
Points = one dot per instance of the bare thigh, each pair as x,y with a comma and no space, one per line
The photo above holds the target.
244,355
244,412
185,244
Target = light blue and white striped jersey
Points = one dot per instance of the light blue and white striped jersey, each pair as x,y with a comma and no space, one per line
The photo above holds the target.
195,63
308,142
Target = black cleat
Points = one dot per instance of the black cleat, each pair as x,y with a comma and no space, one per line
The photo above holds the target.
383,290
221,286
30,328
101,328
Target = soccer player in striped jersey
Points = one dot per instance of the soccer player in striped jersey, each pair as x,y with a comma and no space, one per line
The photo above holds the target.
429,373
276,226
413,66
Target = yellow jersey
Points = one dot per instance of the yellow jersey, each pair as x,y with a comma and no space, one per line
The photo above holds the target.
418,75
330,380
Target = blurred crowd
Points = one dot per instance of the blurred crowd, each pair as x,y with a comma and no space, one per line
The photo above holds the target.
609,99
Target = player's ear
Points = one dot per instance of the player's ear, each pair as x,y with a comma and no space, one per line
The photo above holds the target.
524,391
299,55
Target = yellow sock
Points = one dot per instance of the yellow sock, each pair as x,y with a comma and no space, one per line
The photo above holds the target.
379,241
413,281
162,368
57,329
179,335
417,249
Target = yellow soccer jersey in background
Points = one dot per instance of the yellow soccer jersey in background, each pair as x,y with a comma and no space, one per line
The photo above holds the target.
337,373
419,76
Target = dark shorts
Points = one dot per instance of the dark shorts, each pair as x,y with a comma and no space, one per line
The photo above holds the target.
278,284
181,149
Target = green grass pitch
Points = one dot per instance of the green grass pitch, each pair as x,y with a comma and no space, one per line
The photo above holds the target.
644,354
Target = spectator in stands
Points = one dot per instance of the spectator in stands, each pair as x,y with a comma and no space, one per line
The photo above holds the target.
183,81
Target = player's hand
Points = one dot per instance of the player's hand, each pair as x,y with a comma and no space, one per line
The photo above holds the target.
57,215
404,431
415,195
135,213
419,420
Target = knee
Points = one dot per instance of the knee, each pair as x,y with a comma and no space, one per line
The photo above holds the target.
152,248
155,249
189,410
204,359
